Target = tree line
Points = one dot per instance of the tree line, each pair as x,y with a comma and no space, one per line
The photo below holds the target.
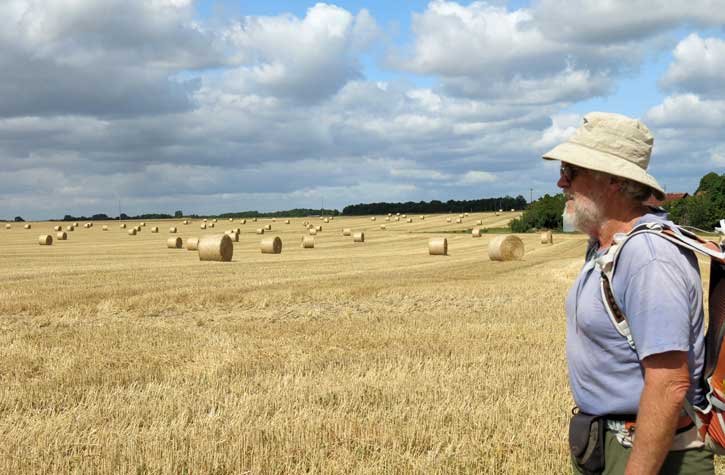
435,206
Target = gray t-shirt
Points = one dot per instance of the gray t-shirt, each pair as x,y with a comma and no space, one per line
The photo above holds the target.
657,285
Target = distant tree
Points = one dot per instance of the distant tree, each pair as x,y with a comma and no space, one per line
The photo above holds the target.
704,209
19,219
544,213
178,214
123,216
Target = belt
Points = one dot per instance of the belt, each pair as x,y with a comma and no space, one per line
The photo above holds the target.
628,422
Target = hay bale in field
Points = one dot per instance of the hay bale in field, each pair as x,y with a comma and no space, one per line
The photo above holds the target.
87,225
172,230
138,229
286,221
268,227
397,214
214,220
192,244
459,221
358,237
410,220
186,221
155,229
397,218
422,218
319,229
211,225
123,226
383,227
438,246
57,228
233,235
497,213
448,220
61,236
174,242
506,248
230,220
237,230
27,226
45,239
347,232
104,228
254,220
326,220
143,224
312,231
202,226
205,220
547,237
70,228
512,210
387,219
308,242
460,216
373,218
271,245
242,221
479,222
476,232
75,225
260,230
404,216
8,226
132,232
217,247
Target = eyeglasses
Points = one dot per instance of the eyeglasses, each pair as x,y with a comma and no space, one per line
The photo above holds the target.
569,172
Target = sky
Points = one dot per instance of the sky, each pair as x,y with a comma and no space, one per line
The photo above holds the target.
212,106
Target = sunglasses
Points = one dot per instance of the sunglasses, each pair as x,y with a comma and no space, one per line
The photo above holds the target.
569,172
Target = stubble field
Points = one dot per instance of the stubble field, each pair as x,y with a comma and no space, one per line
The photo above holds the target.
118,355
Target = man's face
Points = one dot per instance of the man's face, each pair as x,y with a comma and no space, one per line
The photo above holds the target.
585,195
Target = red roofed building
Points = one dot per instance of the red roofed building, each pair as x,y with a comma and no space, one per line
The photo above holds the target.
652,201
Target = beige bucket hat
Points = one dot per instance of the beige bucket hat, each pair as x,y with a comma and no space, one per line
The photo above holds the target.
613,144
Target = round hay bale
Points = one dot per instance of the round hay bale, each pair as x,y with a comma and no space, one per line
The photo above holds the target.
237,230
186,221
132,232
233,235
230,220
143,224
155,229
123,226
205,220
254,220
271,245
217,247
476,232
497,213
500,210
397,214
211,225
75,225
213,220
326,220
506,248
465,214
286,221
8,226
138,229
61,236
70,228
512,210
448,220
312,231
57,228
192,244
404,216
460,216
547,237
27,226
410,220
45,239
459,221
260,230
373,218
104,228
389,215
174,242
308,242
382,226
438,246
347,232
387,219
172,230
202,226
358,237
268,227
319,229
242,221
86,225
479,222
397,218
422,218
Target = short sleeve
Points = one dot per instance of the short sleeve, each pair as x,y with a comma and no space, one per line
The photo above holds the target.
657,305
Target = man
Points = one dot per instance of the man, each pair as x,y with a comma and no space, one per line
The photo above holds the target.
657,286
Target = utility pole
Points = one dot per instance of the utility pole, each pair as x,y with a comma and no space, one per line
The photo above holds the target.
531,195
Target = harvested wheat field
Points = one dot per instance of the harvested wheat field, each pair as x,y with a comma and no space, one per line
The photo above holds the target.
119,355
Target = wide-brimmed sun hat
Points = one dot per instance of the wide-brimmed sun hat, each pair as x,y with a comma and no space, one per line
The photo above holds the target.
613,144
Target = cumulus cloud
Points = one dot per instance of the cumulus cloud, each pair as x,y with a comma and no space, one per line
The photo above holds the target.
475,177
687,111
304,59
699,67
562,127
595,21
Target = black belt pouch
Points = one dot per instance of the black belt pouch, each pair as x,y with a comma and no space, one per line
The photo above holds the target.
586,442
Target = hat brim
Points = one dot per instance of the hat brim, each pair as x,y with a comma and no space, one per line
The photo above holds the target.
597,160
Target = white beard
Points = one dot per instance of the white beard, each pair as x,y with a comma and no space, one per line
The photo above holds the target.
584,213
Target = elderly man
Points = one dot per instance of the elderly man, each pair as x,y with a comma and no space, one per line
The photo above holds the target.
629,416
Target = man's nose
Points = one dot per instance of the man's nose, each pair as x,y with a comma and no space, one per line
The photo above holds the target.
563,183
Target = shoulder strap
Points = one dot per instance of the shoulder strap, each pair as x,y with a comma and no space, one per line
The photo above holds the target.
607,264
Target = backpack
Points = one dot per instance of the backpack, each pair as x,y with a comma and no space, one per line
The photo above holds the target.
710,420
